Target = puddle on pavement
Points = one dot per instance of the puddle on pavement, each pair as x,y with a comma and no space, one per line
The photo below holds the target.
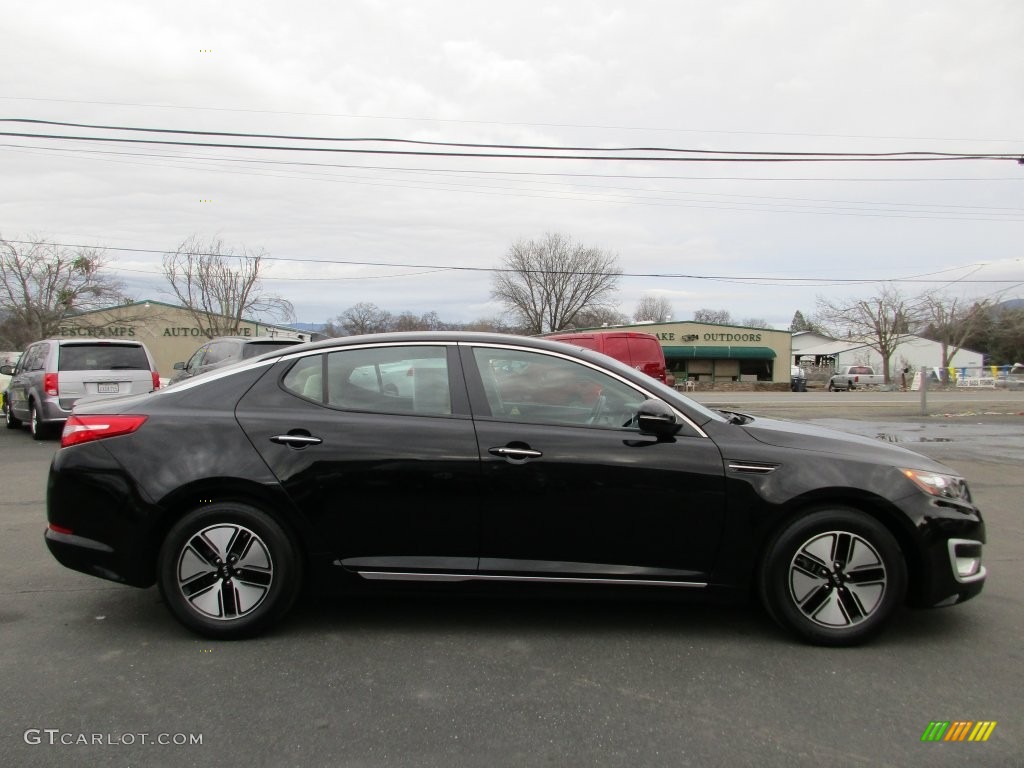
891,438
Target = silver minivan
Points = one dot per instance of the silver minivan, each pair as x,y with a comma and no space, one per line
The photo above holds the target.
54,373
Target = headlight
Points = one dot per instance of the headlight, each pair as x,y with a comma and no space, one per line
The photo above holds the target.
935,484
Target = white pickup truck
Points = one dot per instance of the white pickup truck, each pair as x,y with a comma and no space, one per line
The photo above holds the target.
853,376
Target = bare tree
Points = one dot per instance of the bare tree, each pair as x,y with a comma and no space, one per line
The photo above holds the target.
713,316
879,321
545,283
651,307
364,317
42,284
950,321
755,322
597,318
220,288
428,321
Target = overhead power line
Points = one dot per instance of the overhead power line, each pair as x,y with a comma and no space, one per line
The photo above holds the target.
456,121
765,280
502,151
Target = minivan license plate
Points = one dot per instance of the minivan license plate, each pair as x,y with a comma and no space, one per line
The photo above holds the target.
106,389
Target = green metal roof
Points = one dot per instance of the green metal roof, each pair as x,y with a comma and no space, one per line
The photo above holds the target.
720,353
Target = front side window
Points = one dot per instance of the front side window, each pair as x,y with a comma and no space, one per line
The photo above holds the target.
197,358
544,389
218,351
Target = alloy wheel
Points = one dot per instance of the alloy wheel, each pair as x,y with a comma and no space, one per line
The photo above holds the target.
837,579
224,571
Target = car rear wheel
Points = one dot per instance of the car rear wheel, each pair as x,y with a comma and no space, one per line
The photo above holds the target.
40,431
228,570
834,577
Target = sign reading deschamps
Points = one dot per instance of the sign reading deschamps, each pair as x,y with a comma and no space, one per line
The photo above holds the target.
129,330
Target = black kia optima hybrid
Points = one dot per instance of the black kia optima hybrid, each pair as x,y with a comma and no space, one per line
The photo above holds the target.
474,459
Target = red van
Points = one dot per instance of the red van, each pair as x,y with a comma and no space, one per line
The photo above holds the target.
640,350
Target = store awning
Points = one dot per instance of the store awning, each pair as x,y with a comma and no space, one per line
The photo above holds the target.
720,353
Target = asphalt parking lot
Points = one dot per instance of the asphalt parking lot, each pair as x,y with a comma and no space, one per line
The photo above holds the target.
432,681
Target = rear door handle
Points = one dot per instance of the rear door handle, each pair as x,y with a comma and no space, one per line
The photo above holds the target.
515,453
296,441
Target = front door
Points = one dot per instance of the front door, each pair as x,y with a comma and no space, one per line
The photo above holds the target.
573,490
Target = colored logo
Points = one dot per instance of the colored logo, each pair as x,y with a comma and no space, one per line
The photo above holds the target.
958,730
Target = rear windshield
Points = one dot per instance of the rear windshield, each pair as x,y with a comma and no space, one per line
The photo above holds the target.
102,357
259,347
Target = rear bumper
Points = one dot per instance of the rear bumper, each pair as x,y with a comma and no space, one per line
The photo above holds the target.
88,556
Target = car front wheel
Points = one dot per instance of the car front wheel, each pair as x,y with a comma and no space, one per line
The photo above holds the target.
834,577
228,570
10,419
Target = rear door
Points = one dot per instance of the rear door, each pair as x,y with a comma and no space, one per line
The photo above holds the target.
98,369
388,475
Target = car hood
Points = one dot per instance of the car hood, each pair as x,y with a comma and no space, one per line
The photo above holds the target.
814,439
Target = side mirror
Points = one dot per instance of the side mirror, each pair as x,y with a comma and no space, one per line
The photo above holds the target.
179,366
655,418
7,370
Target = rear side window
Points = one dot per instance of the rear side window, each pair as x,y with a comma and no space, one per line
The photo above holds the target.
100,357
379,380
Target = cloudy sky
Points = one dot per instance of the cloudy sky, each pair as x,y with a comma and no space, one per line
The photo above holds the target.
399,229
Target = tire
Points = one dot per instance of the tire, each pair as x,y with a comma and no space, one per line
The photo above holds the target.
39,430
831,386
228,571
10,420
833,577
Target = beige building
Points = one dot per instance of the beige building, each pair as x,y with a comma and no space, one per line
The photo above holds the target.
720,353
170,332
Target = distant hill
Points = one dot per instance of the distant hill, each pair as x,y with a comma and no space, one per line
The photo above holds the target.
1009,304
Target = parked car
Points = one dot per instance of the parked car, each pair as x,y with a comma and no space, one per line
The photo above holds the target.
642,351
225,350
6,359
53,374
853,376
299,467
797,379
1013,379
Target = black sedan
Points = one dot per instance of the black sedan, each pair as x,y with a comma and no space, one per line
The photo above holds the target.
475,460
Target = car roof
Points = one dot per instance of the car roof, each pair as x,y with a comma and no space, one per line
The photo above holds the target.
97,340
257,339
449,337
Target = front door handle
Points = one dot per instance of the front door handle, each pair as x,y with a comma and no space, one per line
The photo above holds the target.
296,441
515,453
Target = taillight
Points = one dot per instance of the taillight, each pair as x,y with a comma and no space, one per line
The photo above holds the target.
50,384
84,429
156,380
